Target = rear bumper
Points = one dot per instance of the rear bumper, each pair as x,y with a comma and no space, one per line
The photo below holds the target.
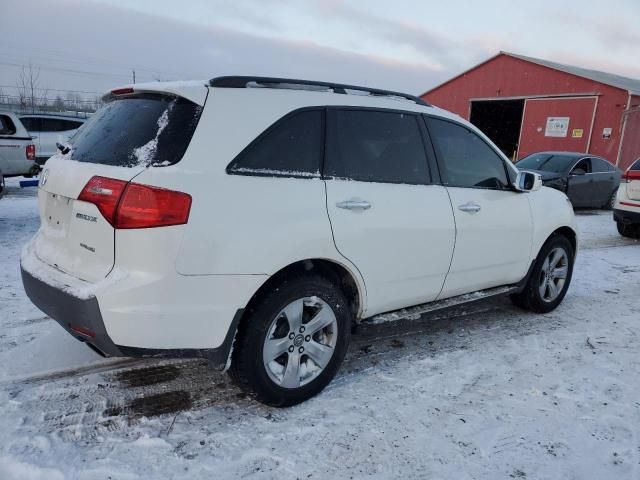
79,316
626,217
82,318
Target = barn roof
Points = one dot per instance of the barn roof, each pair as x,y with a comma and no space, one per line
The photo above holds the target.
632,85
625,83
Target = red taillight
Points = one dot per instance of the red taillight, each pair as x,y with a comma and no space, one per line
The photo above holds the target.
104,193
31,152
143,207
132,205
631,175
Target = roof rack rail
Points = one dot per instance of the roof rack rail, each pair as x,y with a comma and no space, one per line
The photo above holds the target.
273,82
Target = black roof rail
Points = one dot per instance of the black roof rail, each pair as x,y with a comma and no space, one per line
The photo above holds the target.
273,82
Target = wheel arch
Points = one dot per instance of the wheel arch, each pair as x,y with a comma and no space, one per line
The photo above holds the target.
350,283
567,232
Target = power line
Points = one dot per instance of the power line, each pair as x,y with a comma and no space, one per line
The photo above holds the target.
68,70
54,89
73,56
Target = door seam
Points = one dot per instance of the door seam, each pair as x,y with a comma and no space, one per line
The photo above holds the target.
455,238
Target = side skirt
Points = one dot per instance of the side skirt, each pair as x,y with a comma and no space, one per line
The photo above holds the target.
412,313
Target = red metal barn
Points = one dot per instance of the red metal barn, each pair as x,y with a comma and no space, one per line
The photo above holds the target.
527,105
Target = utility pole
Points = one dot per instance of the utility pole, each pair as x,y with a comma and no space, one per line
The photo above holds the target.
134,75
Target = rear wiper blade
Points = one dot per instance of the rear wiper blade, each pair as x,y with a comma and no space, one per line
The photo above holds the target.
63,148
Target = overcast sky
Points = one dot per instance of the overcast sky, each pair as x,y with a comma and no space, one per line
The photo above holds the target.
399,44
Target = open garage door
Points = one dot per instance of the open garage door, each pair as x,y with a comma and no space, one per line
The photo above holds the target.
500,121
561,124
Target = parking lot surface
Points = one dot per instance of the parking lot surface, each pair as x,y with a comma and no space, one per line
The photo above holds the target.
483,390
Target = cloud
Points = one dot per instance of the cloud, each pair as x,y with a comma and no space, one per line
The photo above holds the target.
69,37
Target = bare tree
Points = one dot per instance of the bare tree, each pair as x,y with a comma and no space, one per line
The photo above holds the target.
31,95
58,103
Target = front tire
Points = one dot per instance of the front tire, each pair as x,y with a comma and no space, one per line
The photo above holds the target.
550,277
291,342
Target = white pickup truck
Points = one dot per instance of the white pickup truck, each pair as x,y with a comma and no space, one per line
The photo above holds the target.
17,149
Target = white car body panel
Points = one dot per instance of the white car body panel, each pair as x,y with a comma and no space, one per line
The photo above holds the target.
492,247
46,146
68,237
550,211
628,196
402,245
631,190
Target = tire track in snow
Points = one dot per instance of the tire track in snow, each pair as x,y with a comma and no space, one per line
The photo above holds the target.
88,403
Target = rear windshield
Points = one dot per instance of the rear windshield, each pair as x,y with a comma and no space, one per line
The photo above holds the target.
142,129
546,162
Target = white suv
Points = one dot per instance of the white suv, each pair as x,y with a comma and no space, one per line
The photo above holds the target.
251,221
626,211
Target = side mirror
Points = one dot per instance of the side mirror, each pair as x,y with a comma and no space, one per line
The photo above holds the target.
528,182
578,171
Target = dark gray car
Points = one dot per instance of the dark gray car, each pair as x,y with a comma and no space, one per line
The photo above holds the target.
588,180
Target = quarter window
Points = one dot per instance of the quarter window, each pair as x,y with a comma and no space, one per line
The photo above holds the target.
375,146
291,147
466,159
599,165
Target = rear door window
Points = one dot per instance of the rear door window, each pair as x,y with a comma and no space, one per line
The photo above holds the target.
32,124
636,165
465,159
140,129
375,146
583,165
292,147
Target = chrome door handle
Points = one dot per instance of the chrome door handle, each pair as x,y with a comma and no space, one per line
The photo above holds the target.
470,207
354,205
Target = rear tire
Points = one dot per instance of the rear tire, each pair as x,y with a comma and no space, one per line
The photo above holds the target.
628,230
550,277
272,358
612,201
2,185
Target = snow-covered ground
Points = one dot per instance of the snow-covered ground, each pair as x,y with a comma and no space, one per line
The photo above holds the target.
481,391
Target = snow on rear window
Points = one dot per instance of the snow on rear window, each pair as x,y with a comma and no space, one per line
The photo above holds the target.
145,154
137,130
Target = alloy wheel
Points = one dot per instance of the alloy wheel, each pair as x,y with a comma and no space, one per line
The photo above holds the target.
553,274
300,342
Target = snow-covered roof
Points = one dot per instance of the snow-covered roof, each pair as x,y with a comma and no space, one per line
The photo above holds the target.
630,84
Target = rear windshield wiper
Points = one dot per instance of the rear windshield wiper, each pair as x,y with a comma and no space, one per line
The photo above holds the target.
64,148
